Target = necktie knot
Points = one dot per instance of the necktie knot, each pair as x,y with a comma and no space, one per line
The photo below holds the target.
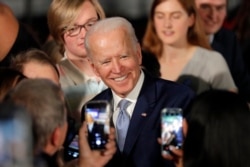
123,104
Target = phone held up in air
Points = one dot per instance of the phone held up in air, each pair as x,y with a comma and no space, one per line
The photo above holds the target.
97,117
171,129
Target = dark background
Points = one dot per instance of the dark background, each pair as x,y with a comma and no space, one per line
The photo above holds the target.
33,13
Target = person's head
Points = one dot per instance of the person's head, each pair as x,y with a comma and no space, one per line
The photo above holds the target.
173,22
218,131
212,13
9,28
68,22
35,63
243,22
115,54
47,110
9,78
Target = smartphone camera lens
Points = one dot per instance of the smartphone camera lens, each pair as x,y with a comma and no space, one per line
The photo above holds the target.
98,142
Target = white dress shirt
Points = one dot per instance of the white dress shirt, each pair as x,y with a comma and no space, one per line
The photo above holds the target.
132,97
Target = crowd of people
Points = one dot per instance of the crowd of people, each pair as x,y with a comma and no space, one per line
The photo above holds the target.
187,59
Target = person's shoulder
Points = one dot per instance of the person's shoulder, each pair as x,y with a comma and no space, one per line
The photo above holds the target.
163,86
226,42
150,63
66,68
207,54
104,95
64,65
42,159
225,34
171,91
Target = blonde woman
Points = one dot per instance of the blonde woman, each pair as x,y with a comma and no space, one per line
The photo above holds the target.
68,21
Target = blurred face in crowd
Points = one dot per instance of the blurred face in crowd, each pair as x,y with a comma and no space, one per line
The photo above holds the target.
172,22
116,60
75,34
213,13
37,70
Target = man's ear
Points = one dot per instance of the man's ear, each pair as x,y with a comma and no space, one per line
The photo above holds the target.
53,142
93,67
191,20
55,138
139,53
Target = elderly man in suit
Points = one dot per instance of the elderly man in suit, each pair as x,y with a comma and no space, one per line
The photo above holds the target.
115,55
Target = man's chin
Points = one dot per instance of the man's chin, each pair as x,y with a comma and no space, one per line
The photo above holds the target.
121,93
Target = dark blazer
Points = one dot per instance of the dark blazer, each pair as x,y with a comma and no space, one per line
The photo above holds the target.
227,44
141,148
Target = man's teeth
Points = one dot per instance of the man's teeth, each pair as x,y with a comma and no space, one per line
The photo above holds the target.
120,78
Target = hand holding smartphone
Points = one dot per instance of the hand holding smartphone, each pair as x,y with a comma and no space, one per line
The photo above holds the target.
172,133
97,117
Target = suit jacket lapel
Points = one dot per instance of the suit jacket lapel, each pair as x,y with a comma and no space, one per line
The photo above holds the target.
143,108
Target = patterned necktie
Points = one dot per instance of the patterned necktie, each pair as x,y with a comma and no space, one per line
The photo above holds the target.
122,123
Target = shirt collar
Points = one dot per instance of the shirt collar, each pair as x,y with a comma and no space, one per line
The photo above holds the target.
133,95
211,38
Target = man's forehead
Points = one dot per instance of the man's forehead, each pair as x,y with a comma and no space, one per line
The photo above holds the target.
211,2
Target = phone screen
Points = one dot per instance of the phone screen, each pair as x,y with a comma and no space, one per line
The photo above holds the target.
97,116
172,134
72,151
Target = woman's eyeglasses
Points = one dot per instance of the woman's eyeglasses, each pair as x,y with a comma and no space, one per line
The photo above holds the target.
76,29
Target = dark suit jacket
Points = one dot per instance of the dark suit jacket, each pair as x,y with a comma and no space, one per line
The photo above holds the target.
141,148
227,44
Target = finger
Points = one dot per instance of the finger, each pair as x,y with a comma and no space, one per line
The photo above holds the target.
84,148
111,145
167,156
177,152
112,134
110,148
159,140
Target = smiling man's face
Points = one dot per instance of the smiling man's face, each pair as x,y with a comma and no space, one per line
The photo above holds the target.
116,60
212,13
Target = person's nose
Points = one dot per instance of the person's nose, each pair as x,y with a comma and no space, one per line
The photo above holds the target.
82,33
116,66
167,22
214,14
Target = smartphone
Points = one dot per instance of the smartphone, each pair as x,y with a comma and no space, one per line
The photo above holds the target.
97,116
72,150
71,141
16,147
171,129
